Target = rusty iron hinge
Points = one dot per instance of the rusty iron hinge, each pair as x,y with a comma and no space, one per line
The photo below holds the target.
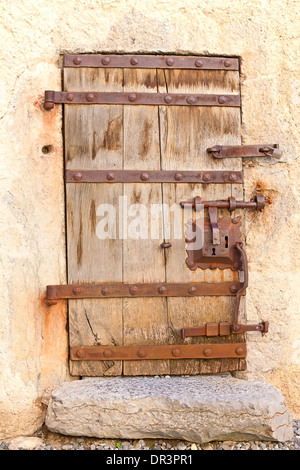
143,352
150,62
241,151
137,176
158,289
135,98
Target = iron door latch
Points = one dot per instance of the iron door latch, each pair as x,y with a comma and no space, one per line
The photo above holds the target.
241,151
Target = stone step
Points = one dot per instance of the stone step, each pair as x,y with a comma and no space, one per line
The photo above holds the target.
198,409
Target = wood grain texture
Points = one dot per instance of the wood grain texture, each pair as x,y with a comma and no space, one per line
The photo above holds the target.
94,137
186,133
145,320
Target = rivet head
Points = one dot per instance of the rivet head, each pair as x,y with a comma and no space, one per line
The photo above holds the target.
77,60
134,61
213,266
77,176
144,176
190,264
222,99
207,177
191,99
133,290
110,176
207,352
227,63
168,99
90,97
105,291
141,353
233,178
199,63
105,60
80,353
107,353
132,97
234,289
239,351
70,97
162,289
76,291
170,61
176,352
192,290
178,176
235,220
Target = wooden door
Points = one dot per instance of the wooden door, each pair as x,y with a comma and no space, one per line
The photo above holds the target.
144,138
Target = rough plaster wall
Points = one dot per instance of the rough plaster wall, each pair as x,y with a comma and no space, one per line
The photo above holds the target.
33,338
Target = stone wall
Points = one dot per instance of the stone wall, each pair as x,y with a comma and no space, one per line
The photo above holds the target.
33,338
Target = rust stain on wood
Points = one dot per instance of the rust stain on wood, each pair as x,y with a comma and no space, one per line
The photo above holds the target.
112,139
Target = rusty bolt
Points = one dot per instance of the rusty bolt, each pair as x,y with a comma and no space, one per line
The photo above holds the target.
134,61
141,353
178,176
107,353
227,63
191,99
170,61
110,176
144,176
176,352
199,63
234,289
233,177
213,266
133,290
70,97
105,60
77,176
77,60
168,99
105,291
162,289
239,351
80,353
222,99
132,97
207,177
90,97
192,290
76,291
207,352
236,328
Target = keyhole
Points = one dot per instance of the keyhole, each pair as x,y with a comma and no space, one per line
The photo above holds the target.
226,242
214,252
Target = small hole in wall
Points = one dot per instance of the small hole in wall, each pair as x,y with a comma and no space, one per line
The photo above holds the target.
214,252
47,149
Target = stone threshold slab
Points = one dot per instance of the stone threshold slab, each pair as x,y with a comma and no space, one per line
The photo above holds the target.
198,409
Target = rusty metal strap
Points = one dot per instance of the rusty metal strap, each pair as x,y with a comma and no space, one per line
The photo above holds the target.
150,62
102,290
137,176
133,98
241,151
222,329
141,352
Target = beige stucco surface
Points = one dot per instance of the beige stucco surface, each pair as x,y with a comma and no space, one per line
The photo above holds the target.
265,34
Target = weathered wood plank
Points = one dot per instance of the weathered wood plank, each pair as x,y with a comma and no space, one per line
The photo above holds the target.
185,135
94,136
145,320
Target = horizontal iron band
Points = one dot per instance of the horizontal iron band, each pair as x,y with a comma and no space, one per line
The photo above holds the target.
136,176
132,98
134,353
239,151
158,289
150,61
